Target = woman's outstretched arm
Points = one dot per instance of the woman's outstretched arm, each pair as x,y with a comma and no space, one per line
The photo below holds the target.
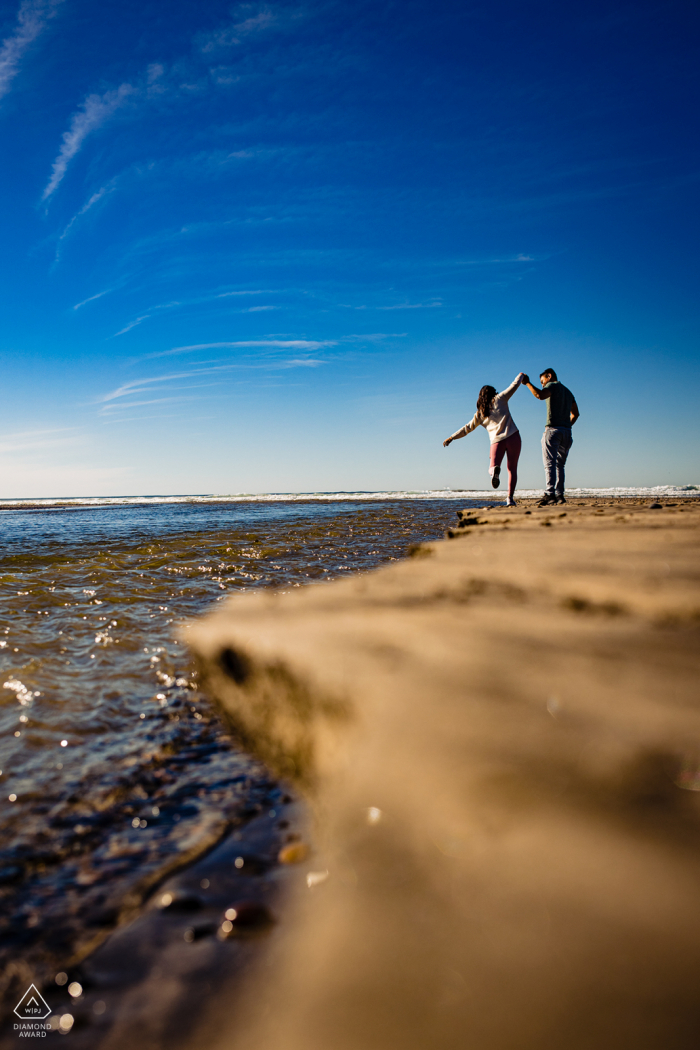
463,431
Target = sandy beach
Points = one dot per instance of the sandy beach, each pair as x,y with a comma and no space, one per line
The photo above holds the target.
499,739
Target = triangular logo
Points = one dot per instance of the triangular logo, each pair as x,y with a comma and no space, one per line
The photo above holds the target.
32,1006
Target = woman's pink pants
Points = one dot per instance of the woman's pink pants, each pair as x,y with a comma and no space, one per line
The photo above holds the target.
510,446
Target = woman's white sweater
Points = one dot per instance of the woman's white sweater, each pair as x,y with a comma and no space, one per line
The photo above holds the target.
499,421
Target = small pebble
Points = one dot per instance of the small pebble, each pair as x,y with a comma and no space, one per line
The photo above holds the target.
294,853
315,878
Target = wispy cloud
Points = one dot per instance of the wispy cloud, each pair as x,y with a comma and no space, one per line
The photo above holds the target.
302,362
132,324
180,382
198,301
226,295
32,18
254,20
95,110
270,344
136,386
521,258
92,298
185,381
435,303
157,82
93,200
149,401
431,305
86,207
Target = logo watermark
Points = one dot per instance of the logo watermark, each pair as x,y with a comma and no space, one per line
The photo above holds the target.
32,1006
32,1010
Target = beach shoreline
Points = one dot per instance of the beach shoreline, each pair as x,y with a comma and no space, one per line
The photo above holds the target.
116,771
66,503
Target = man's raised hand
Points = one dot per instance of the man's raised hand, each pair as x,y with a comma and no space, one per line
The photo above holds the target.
447,442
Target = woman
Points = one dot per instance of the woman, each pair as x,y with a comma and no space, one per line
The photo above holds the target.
493,413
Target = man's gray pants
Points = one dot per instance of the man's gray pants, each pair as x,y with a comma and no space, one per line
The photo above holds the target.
556,442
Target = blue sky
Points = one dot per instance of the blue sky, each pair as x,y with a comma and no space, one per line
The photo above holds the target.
280,246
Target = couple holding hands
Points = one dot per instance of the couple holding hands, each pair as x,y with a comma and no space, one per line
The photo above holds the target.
493,413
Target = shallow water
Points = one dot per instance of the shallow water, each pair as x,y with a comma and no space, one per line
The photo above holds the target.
114,768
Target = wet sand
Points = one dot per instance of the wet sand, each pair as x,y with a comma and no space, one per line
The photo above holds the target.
500,741
169,978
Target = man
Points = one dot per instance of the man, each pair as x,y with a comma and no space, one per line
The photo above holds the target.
562,413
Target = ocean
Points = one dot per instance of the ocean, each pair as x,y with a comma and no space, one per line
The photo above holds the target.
115,768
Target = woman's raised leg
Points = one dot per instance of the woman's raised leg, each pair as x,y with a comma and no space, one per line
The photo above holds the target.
498,451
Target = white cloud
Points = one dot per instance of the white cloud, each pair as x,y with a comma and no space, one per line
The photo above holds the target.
184,303
117,407
286,344
92,298
132,324
32,18
245,291
135,387
272,344
95,110
85,208
521,258
410,306
303,362
140,386
257,20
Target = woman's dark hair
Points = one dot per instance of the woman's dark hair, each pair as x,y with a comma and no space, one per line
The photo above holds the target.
484,402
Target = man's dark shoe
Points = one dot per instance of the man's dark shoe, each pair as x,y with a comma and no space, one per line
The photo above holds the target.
547,501
496,477
560,499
